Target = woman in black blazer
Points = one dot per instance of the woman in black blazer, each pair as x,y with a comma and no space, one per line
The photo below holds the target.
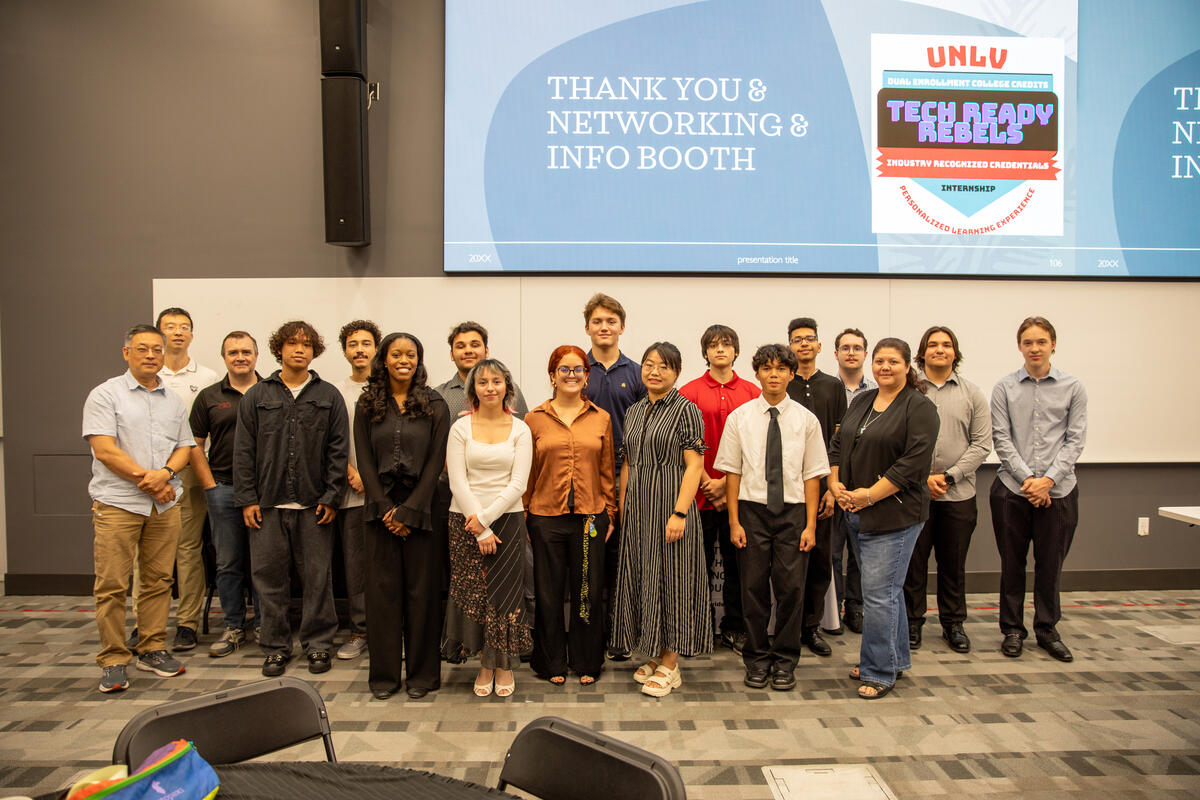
879,463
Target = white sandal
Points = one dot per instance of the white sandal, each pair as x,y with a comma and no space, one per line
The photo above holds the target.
506,689
484,690
667,679
645,671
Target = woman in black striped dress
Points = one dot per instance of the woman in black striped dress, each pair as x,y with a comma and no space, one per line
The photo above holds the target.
662,603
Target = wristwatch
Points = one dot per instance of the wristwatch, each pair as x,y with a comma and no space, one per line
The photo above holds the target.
173,473
949,478
680,514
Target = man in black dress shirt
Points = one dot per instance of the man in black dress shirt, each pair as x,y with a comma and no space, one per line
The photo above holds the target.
825,397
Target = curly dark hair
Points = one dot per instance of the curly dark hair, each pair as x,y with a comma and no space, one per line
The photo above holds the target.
359,325
291,330
767,353
375,399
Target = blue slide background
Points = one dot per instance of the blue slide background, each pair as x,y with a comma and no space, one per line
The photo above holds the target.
807,205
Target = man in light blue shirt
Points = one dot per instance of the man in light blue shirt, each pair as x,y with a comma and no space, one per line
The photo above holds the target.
140,440
1039,425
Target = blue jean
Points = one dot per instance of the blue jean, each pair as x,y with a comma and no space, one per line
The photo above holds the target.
883,558
231,540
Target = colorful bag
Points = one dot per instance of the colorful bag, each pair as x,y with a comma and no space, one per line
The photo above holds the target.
174,771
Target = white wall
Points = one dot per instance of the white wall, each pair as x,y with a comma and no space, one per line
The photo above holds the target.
1129,342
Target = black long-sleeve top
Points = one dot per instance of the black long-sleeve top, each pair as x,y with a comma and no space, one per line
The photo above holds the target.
897,445
291,449
399,460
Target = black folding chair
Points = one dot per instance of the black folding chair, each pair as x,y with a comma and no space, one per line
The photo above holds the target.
231,725
554,759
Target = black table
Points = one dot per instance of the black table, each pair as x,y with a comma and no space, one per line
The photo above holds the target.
290,780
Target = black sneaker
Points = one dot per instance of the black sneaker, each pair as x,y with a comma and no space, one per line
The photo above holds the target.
113,679
132,641
734,640
275,665
318,662
185,639
160,663
615,654
852,619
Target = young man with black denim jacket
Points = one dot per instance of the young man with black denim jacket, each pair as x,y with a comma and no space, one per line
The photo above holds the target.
289,465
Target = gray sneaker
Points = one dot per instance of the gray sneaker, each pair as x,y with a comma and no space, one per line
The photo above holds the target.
353,647
113,679
230,641
160,663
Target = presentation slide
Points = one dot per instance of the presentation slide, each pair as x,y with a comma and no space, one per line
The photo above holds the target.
932,137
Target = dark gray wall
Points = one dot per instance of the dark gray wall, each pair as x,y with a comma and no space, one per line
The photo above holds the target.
150,140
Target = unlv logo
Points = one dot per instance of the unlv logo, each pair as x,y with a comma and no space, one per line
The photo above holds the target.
962,56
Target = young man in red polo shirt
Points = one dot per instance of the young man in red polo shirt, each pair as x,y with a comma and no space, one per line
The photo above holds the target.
716,393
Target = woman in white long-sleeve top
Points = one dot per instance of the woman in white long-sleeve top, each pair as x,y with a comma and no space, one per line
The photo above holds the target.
488,458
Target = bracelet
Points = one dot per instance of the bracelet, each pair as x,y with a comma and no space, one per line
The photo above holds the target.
868,495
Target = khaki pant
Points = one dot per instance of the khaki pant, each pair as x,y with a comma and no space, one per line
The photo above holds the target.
189,558
121,537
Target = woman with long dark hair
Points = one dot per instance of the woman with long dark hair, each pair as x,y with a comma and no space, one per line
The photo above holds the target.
487,460
400,430
879,462
571,504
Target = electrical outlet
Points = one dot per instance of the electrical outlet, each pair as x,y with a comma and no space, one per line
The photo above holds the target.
1143,526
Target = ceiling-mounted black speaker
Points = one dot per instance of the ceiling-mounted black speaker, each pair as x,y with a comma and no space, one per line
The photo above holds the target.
343,38
344,137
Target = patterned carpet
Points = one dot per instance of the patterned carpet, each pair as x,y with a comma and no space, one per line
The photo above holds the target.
1123,720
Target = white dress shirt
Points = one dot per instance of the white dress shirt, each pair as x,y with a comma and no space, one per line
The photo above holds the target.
743,449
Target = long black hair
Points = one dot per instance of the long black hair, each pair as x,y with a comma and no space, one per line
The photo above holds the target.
900,346
378,394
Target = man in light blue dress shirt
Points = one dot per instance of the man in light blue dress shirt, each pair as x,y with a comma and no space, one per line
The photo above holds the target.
140,440
1039,425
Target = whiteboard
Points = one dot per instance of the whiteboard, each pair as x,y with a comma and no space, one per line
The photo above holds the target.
1125,341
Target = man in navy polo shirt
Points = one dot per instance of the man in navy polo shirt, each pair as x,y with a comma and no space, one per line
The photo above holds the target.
614,384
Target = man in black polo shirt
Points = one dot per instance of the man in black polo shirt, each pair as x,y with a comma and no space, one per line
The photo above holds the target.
289,476
214,419
825,397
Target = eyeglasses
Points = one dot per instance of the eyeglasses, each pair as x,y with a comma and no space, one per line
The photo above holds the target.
651,368
852,348
568,371
143,350
803,339
171,327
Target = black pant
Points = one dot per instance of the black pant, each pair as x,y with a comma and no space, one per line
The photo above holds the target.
716,535
772,560
288,537
404,607
849,589
558,556
820,573
1051,530
948,532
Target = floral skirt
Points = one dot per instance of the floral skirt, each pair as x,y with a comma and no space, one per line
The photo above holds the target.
491,589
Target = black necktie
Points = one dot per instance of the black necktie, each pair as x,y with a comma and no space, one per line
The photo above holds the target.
774,463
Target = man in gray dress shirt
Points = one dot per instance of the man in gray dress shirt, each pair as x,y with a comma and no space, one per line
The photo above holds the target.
1039,424
850,351
964,441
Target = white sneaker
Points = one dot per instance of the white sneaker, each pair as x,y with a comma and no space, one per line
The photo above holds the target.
353,647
